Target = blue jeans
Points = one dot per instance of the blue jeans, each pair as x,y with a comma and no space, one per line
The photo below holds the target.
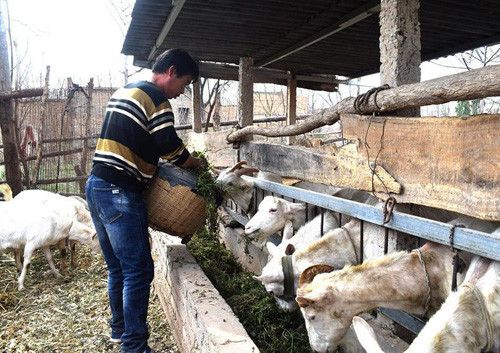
120,218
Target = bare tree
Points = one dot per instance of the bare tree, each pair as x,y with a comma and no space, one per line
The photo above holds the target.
211,92
474,59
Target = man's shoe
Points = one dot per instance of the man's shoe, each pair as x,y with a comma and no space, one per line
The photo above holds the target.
115,340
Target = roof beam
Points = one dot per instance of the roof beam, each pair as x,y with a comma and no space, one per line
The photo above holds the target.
172,16
262,75
344,22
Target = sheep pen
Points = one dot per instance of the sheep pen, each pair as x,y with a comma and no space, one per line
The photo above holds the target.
65,315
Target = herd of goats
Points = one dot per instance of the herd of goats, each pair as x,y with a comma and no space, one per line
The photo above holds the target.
315,268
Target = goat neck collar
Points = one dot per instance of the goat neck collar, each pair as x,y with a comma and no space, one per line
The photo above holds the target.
289,292
422,262
486,316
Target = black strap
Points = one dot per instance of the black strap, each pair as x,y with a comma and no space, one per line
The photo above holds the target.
289,292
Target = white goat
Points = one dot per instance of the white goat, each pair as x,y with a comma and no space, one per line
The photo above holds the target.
273,275
416,282
273,214
467,322
241,190
5,192
50,220
337,248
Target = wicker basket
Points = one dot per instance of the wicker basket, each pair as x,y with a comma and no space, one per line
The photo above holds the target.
172,207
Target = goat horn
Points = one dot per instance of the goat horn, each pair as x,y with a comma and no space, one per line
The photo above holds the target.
237,165
216,171
244,171
304,302
309,273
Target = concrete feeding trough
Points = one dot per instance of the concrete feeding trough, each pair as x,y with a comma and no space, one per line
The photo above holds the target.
199,317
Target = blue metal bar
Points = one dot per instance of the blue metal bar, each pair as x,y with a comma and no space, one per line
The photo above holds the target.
406,320
472,241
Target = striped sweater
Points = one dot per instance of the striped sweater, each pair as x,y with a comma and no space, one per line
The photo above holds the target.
137,130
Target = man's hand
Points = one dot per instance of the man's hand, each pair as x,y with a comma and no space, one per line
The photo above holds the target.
195,163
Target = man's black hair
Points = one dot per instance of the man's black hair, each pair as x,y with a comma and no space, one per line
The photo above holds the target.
183,62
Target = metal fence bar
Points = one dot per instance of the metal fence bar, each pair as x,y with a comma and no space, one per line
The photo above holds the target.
472,241
406,320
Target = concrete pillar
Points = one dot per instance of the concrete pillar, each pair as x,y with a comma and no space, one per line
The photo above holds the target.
196,107
291,106
245,106
400,45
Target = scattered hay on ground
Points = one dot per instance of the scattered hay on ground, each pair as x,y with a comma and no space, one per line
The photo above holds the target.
65,315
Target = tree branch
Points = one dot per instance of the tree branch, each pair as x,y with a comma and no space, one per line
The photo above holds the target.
473,84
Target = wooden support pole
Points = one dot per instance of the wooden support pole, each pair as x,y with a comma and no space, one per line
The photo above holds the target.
196,107
400,45
291,106
41,134
7,124
245,106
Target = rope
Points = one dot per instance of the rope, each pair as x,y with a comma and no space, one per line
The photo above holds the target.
352,243
422,262
485,314
363,99
373,168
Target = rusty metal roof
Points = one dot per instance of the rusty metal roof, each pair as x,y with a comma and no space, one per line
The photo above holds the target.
278,33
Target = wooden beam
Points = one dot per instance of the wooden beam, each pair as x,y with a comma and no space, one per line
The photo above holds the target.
23,93
345,168
448,163
473,84
327,83
172,16
344,22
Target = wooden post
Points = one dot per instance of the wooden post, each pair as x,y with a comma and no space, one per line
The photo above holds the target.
11,158
196,107
41,135
245,106
400,45
291,114
82,169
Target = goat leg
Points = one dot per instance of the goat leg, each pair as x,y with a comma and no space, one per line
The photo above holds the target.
48,255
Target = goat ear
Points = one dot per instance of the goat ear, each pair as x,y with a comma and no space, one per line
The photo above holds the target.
290,249
366,335
290,207
288,230
272,249
309,273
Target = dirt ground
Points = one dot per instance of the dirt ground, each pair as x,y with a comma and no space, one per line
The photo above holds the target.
70,314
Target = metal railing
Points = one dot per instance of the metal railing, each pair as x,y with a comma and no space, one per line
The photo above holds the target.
472,241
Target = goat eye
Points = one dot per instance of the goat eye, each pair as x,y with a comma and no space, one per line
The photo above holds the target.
273,210
230,183
312,318
270,292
